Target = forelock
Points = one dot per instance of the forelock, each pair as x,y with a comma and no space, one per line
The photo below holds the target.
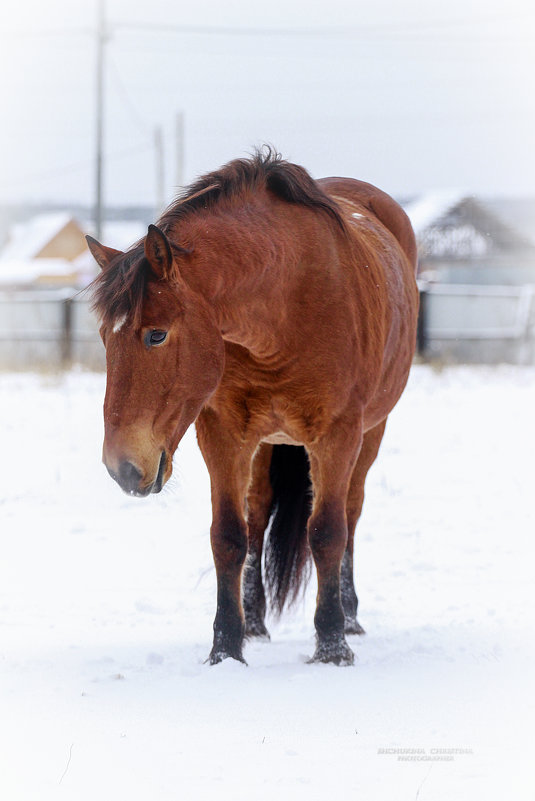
120,289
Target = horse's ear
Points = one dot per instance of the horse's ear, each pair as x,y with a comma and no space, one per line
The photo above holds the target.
101,253
158,252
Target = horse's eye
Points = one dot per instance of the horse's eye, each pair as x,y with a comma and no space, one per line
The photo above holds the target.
155,337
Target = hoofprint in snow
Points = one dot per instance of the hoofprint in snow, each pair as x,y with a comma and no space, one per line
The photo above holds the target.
106,605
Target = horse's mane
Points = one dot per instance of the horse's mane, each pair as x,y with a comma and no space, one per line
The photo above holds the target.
265,168
118,291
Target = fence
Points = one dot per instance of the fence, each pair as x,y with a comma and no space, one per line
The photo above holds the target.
48,329
468,323
477,323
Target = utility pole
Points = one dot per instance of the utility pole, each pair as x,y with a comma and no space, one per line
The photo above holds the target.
179,150
101,42
160,176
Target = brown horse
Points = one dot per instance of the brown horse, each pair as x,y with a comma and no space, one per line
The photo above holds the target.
279,314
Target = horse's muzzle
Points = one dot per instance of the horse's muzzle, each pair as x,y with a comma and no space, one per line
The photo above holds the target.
130,478
158,484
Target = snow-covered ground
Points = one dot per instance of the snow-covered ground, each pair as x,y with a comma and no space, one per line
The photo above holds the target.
106,607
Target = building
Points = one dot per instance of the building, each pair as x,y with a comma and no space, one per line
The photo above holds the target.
43,253
46,236
477,280
462,240
50,251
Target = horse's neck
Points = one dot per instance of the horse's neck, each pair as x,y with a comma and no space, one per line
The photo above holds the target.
238,270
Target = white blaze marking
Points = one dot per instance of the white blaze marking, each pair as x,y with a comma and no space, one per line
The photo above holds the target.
119,324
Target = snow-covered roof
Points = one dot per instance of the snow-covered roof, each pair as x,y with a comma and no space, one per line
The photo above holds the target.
454,224
118,234
431,207
27,271
27,239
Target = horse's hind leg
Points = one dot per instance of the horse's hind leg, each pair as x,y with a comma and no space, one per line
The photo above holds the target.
355,499
332,461
259,503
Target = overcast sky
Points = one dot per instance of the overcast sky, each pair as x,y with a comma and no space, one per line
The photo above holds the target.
409,95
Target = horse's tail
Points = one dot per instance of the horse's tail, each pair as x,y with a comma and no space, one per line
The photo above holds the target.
286,560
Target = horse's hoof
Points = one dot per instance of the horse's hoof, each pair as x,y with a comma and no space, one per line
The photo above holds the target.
256,630
352,626
336,653
218,655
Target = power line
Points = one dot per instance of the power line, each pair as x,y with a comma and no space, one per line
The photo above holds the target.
78,166
105,29
390,28
45,33
397,28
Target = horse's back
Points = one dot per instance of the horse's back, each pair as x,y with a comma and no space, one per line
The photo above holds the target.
380,204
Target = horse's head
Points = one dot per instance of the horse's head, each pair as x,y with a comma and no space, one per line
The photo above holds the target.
164,356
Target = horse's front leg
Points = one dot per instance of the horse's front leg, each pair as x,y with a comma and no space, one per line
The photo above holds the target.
229,467
332,461
228,536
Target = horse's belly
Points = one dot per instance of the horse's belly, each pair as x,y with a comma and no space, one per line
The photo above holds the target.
280,438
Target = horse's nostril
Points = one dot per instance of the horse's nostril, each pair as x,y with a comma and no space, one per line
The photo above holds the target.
112,473
129,477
